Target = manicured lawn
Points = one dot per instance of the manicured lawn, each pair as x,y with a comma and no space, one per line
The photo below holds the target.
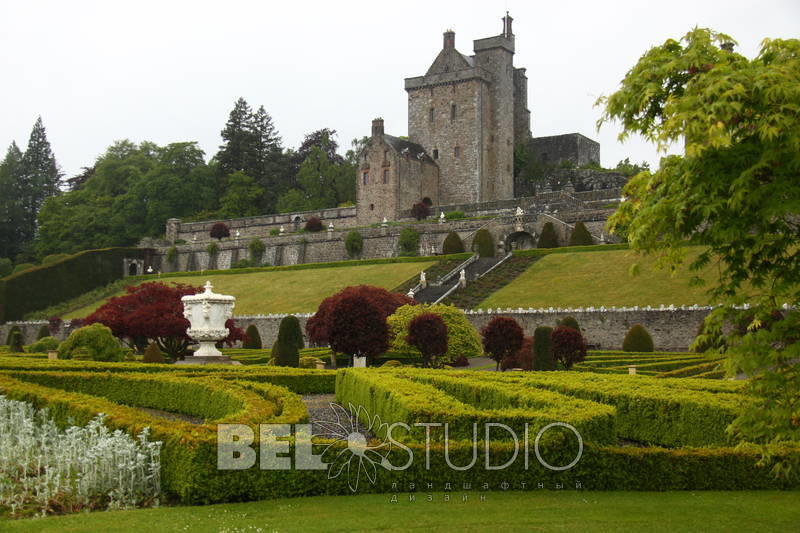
502,511
599,279
292,291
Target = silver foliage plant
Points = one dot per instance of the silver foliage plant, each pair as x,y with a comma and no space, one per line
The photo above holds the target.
44,469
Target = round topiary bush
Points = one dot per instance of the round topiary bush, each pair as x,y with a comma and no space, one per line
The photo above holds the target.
543,349
45,344
44,331
452,244
637,340
354,244
462,338
393,363
253,340
313,224
95,342
286,349
580,236
570,322
409,241
152,354
548,238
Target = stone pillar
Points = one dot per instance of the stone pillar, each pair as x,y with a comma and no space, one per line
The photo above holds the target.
173,229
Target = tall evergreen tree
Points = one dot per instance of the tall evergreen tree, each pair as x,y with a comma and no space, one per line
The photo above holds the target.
237,151
268,164
11,206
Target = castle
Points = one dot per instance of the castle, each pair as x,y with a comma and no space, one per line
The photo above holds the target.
466,116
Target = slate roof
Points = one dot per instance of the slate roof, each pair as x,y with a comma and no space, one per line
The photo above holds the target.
407,148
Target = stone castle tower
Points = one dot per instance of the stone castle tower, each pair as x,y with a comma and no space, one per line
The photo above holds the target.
468,113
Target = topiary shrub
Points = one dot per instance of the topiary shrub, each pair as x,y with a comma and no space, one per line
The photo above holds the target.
44,331
256,249
14,329
580,236
548,238
543,349
15,344
452,244
286,349
313,224
420,211
45,344
6,267
354,244
393,363
152,354
243,263
212,249
409,242
454,215
637,340
95,342
483,243
502,337
22,267
462,338
172,255
219,231
568,346
570,322
253,340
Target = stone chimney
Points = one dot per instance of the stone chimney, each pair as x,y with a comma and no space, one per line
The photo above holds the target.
507,20
377,127
449,39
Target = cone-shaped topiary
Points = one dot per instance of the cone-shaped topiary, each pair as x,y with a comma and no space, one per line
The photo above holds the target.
543,349
253,340
548,238
569,322
11,334
44,331
580,236
152,354
354,244
15,344
483,243
286,349
637,340
452,244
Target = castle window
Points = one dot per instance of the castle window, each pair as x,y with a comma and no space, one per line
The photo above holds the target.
430,114
452,111
385,155
457,151
386,175
435,154
364,177
372,207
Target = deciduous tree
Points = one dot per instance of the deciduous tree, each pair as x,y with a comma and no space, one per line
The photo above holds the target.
502,337
428,334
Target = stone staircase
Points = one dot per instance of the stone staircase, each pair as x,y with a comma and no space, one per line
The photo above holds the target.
474,268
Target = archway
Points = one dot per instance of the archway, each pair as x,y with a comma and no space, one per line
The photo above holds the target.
133,269
297,221
520,240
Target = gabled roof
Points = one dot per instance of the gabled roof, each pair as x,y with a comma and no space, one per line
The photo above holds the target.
407,148
450,60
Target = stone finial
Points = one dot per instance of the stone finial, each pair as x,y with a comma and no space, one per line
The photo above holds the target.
281,230
410,293
520,212
330,227
462,279
442,218
507,20
423,282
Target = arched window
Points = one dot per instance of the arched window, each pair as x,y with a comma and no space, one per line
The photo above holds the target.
435,153
364,178
386,175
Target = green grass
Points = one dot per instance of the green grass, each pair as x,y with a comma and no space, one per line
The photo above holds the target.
290,291
529,510
600,279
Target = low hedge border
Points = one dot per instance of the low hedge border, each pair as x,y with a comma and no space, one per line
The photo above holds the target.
694,370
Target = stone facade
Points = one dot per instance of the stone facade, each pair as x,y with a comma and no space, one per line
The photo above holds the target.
672,329
573,147
393,175
571,180
468,113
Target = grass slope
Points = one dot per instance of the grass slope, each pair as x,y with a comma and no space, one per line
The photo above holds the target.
290,291
502,511
600,279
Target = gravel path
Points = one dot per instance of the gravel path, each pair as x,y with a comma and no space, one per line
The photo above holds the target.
167,415
319,410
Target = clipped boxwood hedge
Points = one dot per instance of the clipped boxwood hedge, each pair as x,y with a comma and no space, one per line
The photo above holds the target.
43,286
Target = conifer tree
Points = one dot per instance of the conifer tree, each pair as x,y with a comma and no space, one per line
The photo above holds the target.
11,208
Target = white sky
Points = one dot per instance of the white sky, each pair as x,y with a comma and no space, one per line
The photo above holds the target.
170,71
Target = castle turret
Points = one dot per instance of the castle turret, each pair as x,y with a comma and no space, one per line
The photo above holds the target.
449,39
377,127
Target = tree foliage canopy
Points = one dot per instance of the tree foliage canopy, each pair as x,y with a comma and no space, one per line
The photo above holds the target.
735,191
502,337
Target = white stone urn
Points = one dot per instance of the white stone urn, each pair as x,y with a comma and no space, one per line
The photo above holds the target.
207,313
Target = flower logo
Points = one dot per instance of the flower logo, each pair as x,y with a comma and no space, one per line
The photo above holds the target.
361,455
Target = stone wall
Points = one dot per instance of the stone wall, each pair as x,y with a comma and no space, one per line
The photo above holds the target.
574,147
672,329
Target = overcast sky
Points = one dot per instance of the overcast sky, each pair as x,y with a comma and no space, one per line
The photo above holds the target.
169,71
